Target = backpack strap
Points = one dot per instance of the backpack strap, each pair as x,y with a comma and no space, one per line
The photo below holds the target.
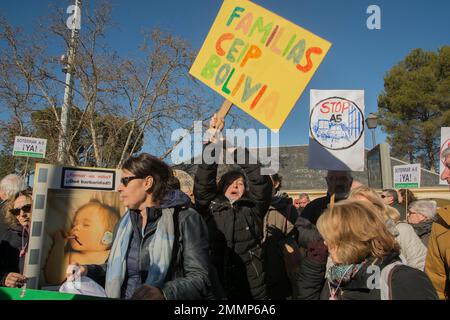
386,280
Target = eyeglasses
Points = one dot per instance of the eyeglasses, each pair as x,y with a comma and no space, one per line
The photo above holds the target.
126,180
16,211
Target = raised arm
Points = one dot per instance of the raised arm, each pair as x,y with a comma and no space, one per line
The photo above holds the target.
259,186
205,188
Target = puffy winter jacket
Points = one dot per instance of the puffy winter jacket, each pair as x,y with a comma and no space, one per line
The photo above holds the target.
235,229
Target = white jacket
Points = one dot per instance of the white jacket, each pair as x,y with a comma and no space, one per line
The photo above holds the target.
411,247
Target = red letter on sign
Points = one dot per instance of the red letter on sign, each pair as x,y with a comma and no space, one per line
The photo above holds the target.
225,36
309,64
324,108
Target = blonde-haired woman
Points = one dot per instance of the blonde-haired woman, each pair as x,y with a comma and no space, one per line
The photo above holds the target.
411,247
359,244
14,242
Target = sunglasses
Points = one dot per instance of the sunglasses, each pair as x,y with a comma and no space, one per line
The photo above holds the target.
127,180
16,211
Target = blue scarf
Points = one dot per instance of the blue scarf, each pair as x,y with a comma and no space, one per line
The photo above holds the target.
160,252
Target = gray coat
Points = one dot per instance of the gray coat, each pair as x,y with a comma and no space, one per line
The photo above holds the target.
411,247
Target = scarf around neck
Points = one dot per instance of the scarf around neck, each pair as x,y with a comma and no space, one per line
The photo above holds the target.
160,253
423,227
340,275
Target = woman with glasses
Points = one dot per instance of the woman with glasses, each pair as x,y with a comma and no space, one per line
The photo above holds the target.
411,248
14,242
160,245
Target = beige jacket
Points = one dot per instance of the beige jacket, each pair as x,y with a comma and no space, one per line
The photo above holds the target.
437,265
411,247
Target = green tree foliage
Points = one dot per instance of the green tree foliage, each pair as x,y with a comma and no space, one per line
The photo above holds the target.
415,104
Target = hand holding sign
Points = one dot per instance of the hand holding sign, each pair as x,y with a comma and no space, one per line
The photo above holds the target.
216,125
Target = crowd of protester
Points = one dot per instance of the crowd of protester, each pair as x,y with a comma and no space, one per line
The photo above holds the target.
238,236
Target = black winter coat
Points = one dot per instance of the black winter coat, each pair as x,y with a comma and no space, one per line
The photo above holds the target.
188,274
235,230
3,225
407,283
315,208
11,243
187,277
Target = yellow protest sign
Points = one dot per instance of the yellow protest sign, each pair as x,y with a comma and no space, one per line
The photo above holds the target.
258,60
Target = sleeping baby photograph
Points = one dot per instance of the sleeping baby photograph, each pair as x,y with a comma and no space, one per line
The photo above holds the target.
88,241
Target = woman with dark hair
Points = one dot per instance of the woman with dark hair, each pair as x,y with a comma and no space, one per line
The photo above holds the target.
14,243
160,247
405,198
234,210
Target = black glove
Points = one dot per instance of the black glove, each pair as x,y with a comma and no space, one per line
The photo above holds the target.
275,233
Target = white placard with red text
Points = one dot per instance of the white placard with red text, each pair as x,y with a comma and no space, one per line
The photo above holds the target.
336,130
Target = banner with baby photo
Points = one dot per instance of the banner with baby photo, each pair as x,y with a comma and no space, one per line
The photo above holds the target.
75,210
336,130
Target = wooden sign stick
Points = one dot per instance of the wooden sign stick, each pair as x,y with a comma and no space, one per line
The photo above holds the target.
406,203
332,200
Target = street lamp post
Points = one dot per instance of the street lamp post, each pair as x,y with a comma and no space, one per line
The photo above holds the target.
372,123
69,69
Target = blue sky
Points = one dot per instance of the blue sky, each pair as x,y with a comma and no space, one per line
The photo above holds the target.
358,59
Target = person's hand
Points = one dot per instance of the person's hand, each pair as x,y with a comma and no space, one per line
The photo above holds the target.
215,126
147,292
73,269
216,123
275,233
15,280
